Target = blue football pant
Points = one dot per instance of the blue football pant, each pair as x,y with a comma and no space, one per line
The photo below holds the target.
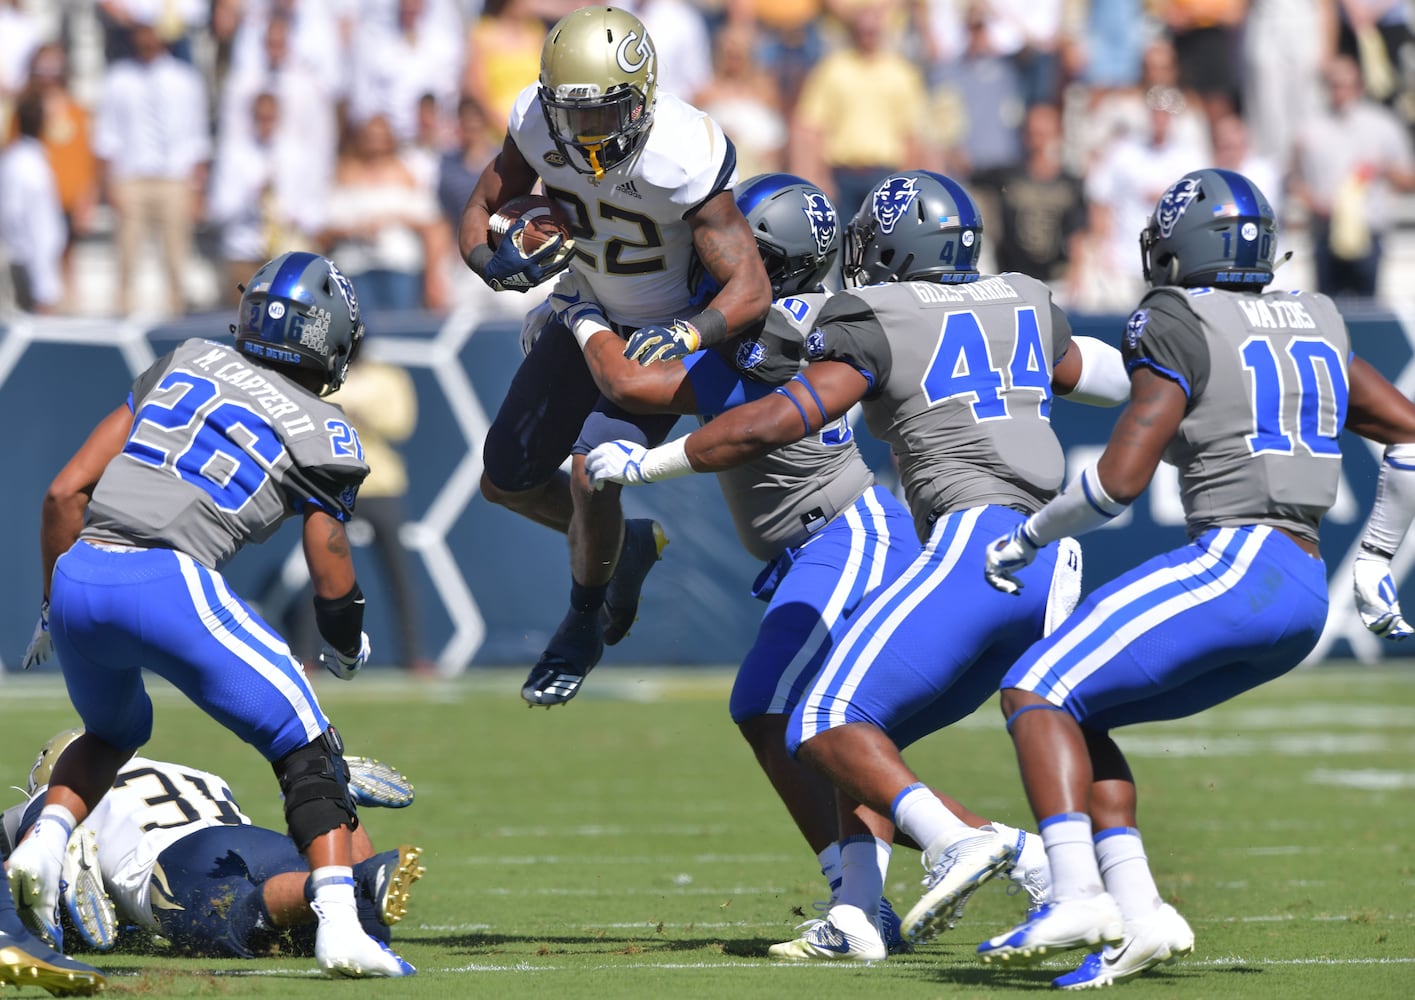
1182,632
929,648
115,613
811,590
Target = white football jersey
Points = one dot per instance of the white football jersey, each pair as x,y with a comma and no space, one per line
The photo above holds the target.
633,246
151,806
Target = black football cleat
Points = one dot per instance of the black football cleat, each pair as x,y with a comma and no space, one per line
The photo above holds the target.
644,541
573,651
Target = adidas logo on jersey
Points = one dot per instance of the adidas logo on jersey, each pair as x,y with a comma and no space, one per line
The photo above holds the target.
628,188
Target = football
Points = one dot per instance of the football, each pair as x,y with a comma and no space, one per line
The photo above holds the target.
545,220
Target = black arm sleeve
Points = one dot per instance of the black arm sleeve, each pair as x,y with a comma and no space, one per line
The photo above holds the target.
341,620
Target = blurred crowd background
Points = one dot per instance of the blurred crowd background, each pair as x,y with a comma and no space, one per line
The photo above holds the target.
156,151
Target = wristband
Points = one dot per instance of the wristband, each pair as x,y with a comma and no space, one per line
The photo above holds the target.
711,327
478,258
667,461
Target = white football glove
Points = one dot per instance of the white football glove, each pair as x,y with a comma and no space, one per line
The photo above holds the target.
41,646
1376,599
616,462
1007,556
341,666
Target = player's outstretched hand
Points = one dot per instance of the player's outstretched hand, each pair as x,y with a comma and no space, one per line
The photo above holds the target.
650,344
341,666
1006,557
40,647
616,462
1376,598
510,268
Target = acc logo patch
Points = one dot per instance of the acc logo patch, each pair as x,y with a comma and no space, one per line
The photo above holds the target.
892,201
750,354
1171,207
815,345
1135,328
820,213
554,157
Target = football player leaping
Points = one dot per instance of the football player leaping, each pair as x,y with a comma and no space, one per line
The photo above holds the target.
957,372
646,179
1246,392
216,446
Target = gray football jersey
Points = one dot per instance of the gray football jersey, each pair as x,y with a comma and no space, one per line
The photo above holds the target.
1266,379
222,450
960,386
781,499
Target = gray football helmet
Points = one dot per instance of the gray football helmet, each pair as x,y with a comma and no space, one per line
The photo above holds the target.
915,225
796,227
300,311
598,75
1212,227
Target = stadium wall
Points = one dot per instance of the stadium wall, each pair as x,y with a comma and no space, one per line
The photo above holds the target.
494,585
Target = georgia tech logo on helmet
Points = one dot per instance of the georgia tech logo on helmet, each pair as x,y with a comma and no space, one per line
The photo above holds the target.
820,213
892,201
643,50
1175,201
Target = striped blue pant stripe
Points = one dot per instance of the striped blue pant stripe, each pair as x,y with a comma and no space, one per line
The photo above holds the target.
1138,607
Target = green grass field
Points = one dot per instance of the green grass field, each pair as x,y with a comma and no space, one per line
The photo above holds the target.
626,846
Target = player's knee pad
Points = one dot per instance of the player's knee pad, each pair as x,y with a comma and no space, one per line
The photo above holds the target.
315,782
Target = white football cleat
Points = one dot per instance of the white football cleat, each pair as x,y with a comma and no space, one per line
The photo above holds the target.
342,948
1057,927
1156,939
35,877
846,933
90,909
956,868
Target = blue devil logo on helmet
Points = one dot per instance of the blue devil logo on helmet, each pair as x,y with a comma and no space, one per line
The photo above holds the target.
820,213
892,201
1175,201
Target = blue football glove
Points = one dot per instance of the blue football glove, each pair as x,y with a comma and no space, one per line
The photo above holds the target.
510,268
1376,599
616,462
41,646
341,666
649,344
1008,556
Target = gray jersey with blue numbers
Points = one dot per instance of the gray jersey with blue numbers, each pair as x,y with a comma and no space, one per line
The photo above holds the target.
220,453
960,386
1266,379
781,499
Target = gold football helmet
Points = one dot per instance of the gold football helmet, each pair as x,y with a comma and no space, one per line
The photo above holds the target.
49,755
598,74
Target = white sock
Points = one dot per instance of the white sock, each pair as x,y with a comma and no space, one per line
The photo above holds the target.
830,864
1031,856
333,891
1126,871
919,813
884,850
51,831
1074,871
860,881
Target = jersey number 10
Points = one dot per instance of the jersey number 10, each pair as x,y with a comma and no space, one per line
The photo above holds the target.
1278,375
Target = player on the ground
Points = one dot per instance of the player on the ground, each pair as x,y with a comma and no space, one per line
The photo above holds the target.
1246,392
955,371
169,851
646,179
217,445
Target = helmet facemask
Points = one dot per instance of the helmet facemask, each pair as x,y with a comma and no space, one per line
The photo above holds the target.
600,131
